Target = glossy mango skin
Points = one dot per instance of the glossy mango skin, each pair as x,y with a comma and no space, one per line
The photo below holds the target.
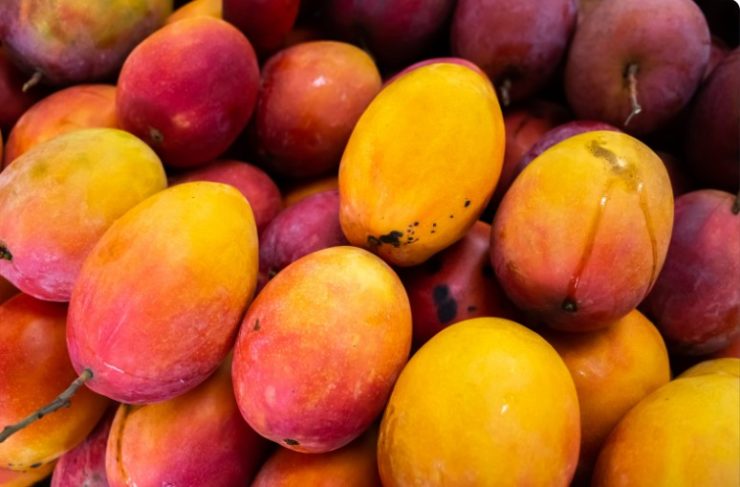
320,348
583,232
729,366
486,401
158,302
74,41
435,124
687,433
57,199
74,108
198,438
613,369
34,369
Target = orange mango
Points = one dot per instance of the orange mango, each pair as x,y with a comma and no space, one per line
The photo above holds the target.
582,233
57,200
687,433
421,163
613,369
486,401
74,108
158,302
34,369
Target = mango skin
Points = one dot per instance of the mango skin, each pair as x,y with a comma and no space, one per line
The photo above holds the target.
582,233
687,433
198,438
27,478
729,366
189,89
74,108
486,401
158,302
613,369
354,464
34,369
197,8
57,199
437,123
73,41
85,464
320,348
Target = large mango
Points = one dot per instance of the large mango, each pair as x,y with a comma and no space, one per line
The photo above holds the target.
422,162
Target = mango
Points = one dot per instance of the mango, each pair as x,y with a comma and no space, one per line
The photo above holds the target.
26,478
320,348
57,199
34,369
198,438
354,464
74,108
159,299
486,401
582,234
729,366
687,433
74,41
613,369
431,126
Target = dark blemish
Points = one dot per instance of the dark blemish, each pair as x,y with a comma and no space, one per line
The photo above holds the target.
488,271
736,205
452,216
290,442
36,465
445,303
372,241
467,203
433,231
416,224
604,153
156,136
472,309
392,238
5,253
256,325
569,305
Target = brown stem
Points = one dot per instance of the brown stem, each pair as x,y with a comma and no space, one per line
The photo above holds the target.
505,90
61,401
33,81
632,70
736,204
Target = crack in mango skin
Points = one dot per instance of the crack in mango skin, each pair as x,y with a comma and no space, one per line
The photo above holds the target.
626,172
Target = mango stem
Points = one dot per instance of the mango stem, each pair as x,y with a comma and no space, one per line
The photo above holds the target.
33,81
61,401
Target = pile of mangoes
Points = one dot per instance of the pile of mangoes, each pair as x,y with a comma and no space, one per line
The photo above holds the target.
331,242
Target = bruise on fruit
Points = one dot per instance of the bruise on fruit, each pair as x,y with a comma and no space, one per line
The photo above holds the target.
445,303
467,203
36,465
291,442
5,253
256,325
